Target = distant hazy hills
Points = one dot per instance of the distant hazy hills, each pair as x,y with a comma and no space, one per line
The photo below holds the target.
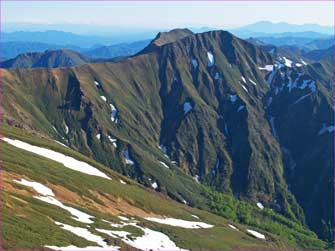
50,59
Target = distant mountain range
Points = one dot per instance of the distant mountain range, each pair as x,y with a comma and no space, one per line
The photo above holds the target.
266,28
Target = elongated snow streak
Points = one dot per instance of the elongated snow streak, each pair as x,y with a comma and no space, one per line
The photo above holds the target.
256,234
266,68
67,161
180,223
210,59
85,234
49,197
38,187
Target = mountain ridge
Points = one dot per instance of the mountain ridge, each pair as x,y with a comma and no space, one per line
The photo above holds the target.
206,112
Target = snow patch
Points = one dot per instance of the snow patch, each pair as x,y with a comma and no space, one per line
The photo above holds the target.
127,158
180,223
98,136
113,141
67,129
243,79
233,227
254,83
187,107
287,62
61,144
67,161
210,59
194,216
87,235
266,68
103,98
256,234
76,214
240,108
260,205
38,187
97,84
245,88
122,182
233,98
49,197
165,165
154,185
151,240
113,113
194,63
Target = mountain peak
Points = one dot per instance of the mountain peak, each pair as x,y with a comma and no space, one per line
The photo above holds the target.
163,38
171,36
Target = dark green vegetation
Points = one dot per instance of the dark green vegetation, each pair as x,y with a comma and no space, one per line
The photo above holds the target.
228,145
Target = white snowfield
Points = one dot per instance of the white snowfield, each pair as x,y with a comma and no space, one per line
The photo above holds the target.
49,197
85,234
287,62
38,187
256,234
194,63
187,107
76,214
98,136
180,223
151,240
243,79
210,59
127,158
268,67
122,182
67,161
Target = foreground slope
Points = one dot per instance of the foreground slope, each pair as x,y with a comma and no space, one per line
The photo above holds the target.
50,205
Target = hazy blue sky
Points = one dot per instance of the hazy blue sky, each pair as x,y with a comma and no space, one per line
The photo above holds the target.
168,14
